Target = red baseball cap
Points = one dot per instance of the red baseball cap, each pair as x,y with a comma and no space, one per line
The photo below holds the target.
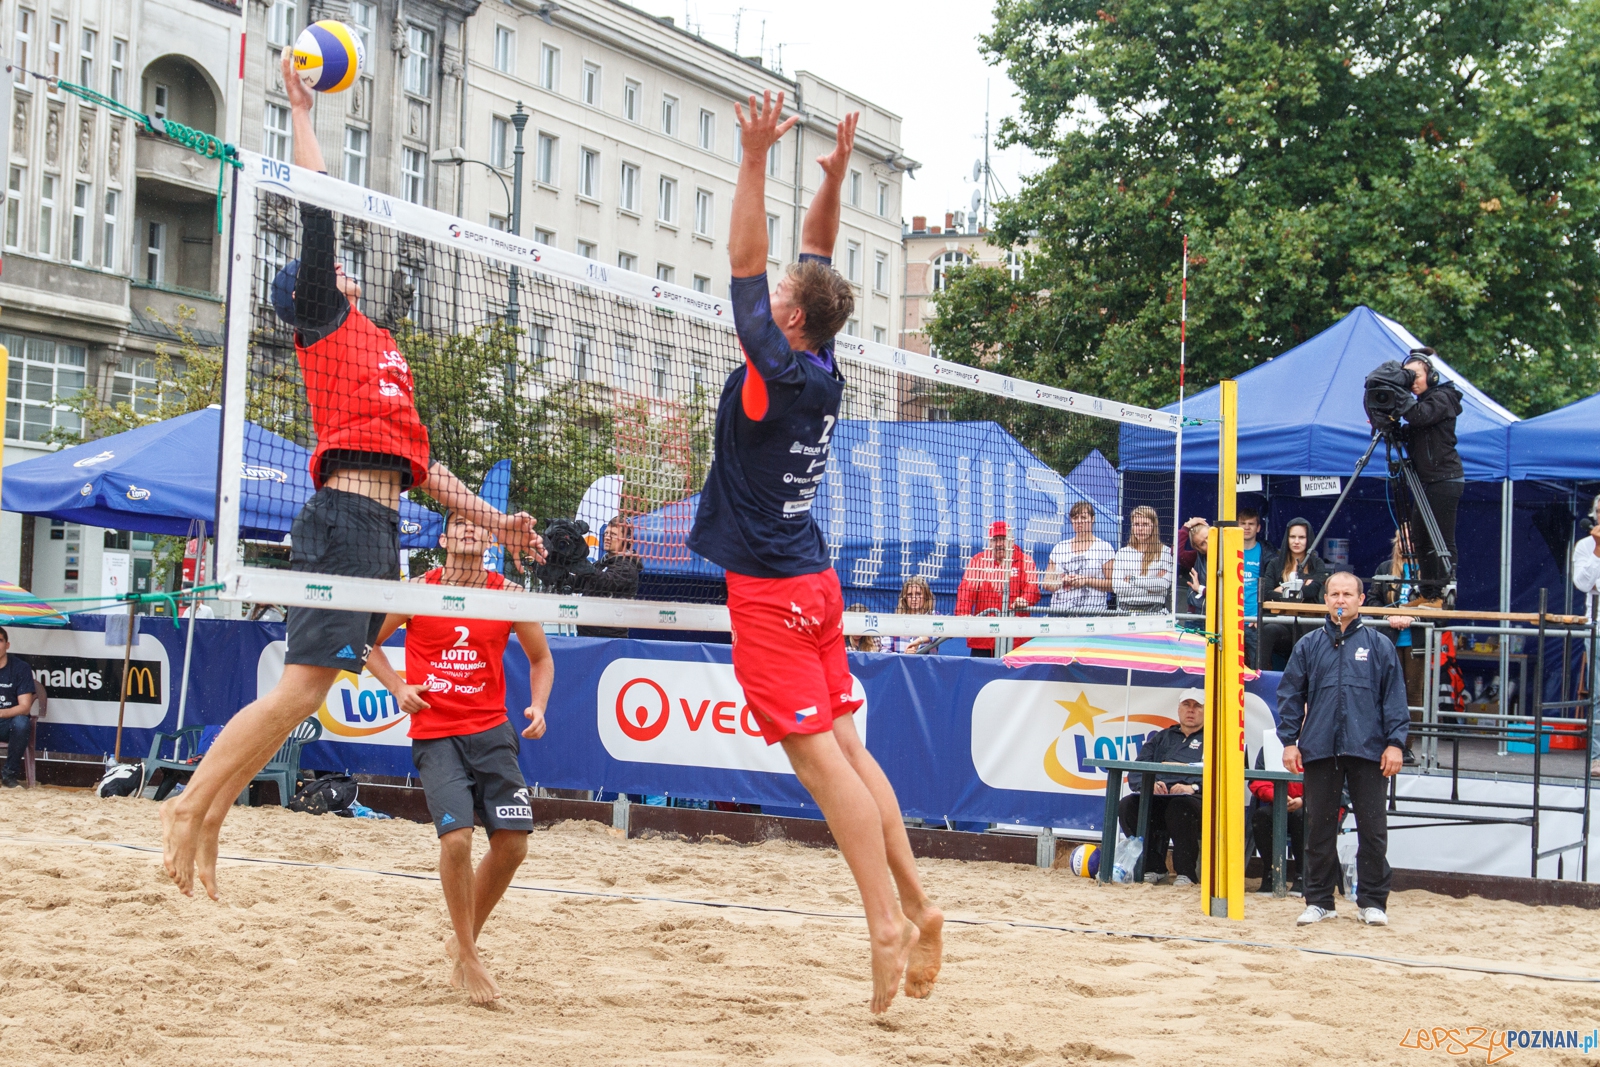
998,528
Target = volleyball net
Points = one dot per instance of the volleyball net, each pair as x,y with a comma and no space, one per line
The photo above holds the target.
586,396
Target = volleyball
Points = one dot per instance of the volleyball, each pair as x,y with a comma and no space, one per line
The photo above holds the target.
1085,861
328,56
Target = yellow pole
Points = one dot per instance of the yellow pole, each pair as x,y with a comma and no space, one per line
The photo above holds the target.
1222,786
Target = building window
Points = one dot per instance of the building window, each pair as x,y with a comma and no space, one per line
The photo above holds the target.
136,385
47,215
544,236
880,271
505,50
56,49
587,249
158,101
852,327
419,64
1016,265
667,200
630,188
545,165
86,49
631,92
413,174
363,18
41,375
23,49
549,67
119,62
944,263
775,158
80,223
276,142
589,173
852,261
14,183
582,357
355,155
591,85
628,261
155,252
879,335
704,215
669,116
665,273
622,362
108,233
772,237
281,22
708,130
702,284
538,341
499,138
355,264
854,188
660,371
499,222
883,200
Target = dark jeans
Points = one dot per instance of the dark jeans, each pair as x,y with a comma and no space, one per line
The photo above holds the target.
15,732
1261,827
1325,779
1252,644
1174,818
1443,498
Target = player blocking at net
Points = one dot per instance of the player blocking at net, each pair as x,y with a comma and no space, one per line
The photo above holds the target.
464,745
775,418
371,447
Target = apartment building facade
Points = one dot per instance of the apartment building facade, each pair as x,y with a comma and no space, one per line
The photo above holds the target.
931,251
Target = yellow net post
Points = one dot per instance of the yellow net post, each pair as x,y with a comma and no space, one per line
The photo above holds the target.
1222,785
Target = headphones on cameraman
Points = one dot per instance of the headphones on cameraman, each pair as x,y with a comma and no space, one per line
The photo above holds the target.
1423,356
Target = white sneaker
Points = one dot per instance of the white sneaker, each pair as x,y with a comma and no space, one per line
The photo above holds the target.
1152,878
1182,880
1314,914
1373,916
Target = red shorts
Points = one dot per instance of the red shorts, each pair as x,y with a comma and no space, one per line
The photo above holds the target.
789,652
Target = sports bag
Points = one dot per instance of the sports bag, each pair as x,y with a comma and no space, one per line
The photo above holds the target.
121,780
331,792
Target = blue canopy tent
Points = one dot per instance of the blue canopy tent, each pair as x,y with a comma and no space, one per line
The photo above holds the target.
1561,445
159,478
907,498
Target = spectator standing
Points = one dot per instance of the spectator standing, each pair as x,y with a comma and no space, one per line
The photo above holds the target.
1250,528
916,598
1078,576
616,574
1141,571
16,710
1294,573
1401,565
1343,722
1001,578
1431,443
1586,577
1175,805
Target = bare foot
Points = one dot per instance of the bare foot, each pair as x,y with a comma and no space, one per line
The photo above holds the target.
471,976
888,964
205,858
178,845
453,950
927,955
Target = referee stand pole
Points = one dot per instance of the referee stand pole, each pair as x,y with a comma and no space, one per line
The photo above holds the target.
1222,793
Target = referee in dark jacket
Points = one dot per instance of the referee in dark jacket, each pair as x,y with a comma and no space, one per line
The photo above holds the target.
1343,721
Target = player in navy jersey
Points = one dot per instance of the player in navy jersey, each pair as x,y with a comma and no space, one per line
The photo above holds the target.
775,421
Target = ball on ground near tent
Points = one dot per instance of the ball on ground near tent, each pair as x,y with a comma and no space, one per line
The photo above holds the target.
329,56
1084,861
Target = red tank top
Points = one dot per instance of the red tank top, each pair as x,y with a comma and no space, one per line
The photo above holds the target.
360,391
460,665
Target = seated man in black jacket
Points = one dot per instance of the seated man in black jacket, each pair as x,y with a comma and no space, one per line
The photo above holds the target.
1175,807
1431,443
615,574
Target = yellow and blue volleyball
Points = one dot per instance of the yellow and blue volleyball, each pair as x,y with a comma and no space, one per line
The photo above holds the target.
1085,861
329,56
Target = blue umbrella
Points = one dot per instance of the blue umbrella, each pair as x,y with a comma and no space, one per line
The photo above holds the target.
160,477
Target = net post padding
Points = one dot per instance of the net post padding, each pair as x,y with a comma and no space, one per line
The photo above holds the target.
604,372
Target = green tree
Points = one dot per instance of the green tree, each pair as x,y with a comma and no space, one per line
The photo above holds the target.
1436,163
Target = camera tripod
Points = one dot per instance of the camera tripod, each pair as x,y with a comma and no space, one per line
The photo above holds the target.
1402,469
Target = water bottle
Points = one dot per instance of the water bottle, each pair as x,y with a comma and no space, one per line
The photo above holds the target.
1129,850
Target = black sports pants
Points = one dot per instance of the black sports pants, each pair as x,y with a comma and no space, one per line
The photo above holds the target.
1325,780
1444,498
1174,818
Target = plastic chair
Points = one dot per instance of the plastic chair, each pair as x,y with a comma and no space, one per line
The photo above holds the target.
186,745
284,767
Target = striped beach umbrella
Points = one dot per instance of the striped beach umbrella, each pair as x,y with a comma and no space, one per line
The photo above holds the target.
17,605
1162,651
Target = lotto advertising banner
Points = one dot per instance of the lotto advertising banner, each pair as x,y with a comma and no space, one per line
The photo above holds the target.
961,739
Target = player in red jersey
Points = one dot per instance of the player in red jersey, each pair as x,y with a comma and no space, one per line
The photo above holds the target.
371,447
463,743
775,419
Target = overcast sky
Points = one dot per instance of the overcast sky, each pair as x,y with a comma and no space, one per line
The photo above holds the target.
918,60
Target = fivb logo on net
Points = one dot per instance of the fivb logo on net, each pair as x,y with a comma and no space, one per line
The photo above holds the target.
687,714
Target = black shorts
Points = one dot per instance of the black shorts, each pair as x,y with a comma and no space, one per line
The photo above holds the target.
352,536
473,774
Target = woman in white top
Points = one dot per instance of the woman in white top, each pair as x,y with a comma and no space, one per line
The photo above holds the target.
916,598
1079,575
1141,571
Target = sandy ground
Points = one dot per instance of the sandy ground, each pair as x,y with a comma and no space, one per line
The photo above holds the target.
102,962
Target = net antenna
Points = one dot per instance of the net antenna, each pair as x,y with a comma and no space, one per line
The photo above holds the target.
618,375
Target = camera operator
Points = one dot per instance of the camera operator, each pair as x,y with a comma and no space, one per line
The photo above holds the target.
1431,442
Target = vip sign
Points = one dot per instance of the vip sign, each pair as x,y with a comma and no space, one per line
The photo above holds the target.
358,708
687,715
1035,736
84,678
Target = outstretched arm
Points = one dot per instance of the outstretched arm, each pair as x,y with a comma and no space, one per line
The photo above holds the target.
821,230
747,231
515,531
307,152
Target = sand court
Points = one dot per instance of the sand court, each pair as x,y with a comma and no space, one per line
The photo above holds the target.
298,963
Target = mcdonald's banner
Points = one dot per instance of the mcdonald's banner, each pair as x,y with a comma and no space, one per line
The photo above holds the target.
968,740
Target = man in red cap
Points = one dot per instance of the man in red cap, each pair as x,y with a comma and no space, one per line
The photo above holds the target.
1001,578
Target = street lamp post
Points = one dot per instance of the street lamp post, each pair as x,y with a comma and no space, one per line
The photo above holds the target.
519,119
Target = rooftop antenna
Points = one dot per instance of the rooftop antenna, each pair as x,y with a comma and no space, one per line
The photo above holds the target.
737,18
761,47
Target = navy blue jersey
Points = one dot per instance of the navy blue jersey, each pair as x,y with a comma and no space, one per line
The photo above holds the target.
775,420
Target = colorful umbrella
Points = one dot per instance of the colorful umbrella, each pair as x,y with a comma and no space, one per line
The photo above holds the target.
1164,651
17,605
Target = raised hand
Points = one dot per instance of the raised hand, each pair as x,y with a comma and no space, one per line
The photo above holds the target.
835,162
760,129
299,93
